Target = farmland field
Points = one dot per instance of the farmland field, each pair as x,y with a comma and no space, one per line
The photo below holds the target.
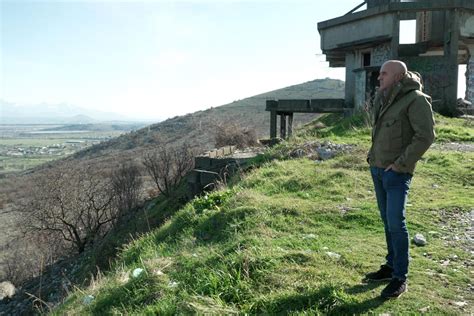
25,146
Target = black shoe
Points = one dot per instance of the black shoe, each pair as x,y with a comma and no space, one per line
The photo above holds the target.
384,274
394,289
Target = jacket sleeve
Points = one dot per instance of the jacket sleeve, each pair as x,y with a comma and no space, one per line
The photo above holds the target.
421,120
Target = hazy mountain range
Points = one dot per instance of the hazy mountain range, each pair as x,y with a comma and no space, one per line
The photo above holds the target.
62,113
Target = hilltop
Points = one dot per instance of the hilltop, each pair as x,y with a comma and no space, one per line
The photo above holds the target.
199,128
296,234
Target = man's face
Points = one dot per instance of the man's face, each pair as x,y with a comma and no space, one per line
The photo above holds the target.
388,77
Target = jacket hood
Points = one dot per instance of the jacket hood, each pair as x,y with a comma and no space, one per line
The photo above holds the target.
411,81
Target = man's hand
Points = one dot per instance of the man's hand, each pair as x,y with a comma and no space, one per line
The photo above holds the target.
392,167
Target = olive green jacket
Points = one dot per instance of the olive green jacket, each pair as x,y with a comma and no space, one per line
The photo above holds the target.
403,125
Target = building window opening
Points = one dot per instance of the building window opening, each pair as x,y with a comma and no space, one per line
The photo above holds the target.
462,80
408,32
366,59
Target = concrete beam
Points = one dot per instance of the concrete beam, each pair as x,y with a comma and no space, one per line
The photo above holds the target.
358,32
401,7
287,106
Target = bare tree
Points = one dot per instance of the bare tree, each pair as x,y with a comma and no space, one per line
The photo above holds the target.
168,165
73,203
127,185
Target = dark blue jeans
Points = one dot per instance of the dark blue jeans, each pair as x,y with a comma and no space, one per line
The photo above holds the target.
391,190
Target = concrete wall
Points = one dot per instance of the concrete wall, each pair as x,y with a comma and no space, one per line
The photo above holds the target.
362,30
439,78
380,54
438,26
375,3
466,21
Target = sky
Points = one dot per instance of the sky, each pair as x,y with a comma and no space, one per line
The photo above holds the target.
154,59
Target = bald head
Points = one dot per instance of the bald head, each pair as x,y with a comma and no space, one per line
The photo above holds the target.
391,73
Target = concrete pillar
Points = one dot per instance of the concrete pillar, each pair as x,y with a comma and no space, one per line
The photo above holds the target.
395,37
273,124
290,124
451,47
470,76
283,125
350,79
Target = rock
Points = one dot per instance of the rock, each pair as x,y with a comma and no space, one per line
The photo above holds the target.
309,236
463,103
298,153
419,240
325,153
137,272
424,309
319,125
7,290
460,304
88,299
333,255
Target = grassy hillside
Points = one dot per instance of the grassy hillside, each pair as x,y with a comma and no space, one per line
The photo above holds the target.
198,128
296,236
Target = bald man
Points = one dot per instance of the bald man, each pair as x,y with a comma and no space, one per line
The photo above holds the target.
403,129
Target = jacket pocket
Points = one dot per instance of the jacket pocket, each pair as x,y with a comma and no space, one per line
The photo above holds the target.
392,135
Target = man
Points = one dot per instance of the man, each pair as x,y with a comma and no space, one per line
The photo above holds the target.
403,129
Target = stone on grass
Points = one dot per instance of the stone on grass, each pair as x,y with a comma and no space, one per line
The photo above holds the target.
7,290
419,240
333,255
137,272
309,236
460,304
88,299
424,309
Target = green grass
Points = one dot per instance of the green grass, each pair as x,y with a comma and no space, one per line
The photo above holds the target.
454,129
264,244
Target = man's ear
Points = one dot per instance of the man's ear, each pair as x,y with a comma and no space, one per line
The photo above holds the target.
399,77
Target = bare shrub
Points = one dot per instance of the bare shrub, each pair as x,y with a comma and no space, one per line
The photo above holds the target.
26,256
72,203
126,185
168,165
230,134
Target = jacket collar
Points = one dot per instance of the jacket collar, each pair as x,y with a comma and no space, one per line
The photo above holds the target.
386,102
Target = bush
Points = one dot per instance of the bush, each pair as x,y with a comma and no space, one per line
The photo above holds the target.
234,135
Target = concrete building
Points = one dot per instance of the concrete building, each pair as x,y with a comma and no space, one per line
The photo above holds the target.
362,41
